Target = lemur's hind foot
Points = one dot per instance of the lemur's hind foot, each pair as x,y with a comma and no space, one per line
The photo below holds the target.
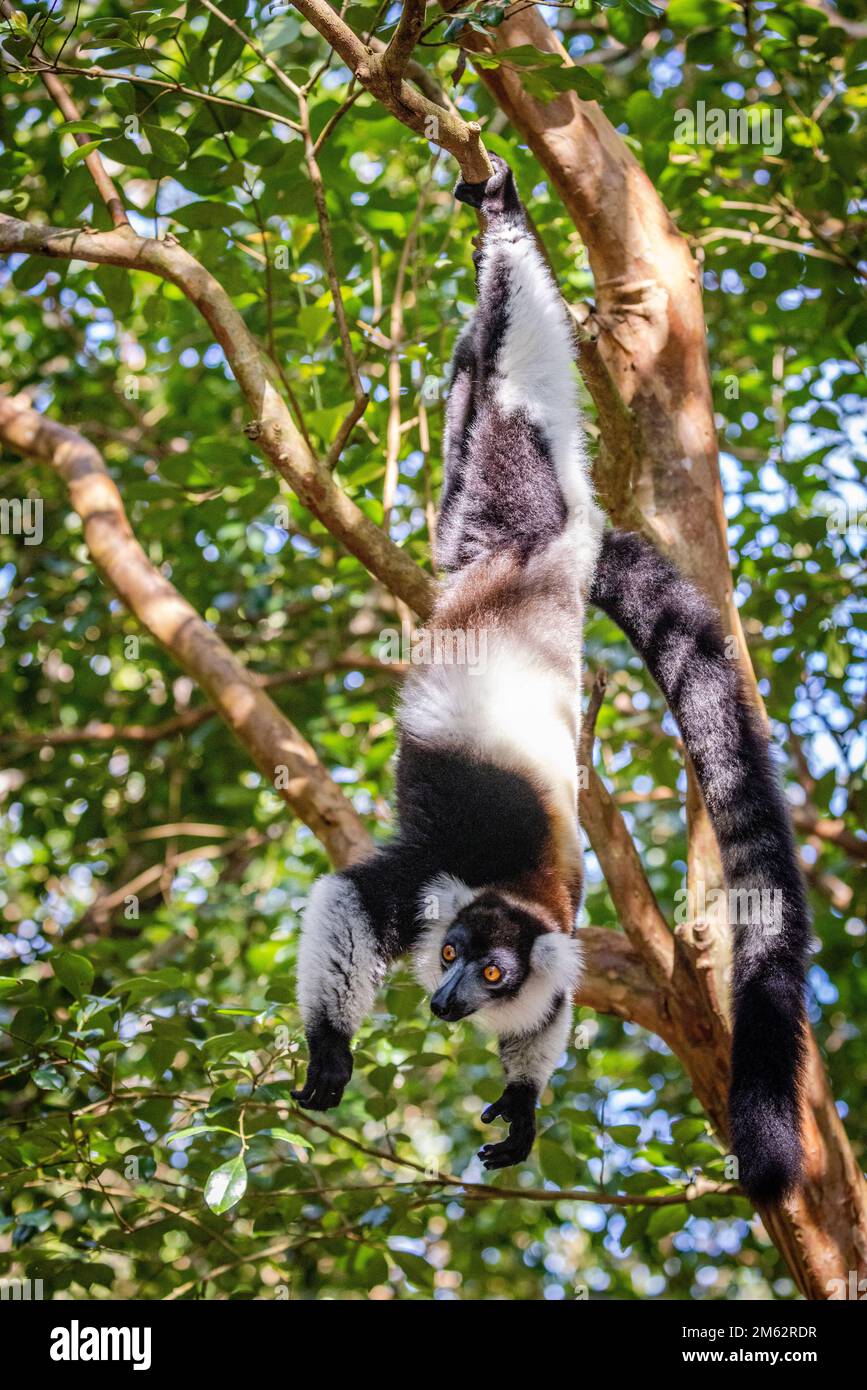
496,196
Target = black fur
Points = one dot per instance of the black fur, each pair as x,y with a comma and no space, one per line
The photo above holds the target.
329,1070
517,1105
678,634
451,816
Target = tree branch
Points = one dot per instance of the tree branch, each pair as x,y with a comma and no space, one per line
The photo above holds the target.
95,74
65,104
403,40
273,427
98,731
268,736
379,74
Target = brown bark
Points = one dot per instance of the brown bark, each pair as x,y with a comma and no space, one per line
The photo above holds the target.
270,738
272,426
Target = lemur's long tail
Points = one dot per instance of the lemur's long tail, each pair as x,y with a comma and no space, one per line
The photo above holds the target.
678,634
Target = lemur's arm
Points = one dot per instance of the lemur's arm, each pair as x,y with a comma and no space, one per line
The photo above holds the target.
528,1061
354,925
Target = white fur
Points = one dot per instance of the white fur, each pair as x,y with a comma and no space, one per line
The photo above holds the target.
517,712
555,968
532,1057
336,928
447,895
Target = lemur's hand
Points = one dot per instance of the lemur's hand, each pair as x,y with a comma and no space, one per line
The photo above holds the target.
495,196
328,1072
517,1104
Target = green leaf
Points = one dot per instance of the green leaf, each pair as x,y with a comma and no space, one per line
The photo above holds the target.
193,1130
123,151
49,1079
226,1185
690,1127
74,972
200,216
699,14
624,1134
416,1269
664,1221
114,281
288,1137
80,153
167,145
557,1165
80,128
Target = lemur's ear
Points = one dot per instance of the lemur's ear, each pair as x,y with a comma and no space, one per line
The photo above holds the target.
557,955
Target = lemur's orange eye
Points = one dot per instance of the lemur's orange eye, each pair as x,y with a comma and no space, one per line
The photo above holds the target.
493,973
449,953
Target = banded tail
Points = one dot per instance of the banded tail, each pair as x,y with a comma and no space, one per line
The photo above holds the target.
678,634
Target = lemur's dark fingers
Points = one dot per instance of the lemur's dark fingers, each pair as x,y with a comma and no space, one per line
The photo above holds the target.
493,1112
315,1097
323,1089
513,1150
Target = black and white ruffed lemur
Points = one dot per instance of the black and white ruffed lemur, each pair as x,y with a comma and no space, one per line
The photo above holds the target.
483,881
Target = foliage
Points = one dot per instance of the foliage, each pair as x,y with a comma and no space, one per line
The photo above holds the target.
152,886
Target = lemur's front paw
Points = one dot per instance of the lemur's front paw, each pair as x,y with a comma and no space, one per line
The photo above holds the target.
517,1104
497,194
328,1072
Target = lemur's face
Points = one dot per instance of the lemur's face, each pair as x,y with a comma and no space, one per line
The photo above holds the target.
484,957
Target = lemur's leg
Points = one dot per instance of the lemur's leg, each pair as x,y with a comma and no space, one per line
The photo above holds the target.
524,472
528,1061
460,411
354,924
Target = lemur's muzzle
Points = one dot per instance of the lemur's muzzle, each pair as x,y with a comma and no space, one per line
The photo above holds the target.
459,994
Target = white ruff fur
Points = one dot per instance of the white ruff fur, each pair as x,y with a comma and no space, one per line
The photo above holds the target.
555,964
555,968
336,929
532,1057
440,901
